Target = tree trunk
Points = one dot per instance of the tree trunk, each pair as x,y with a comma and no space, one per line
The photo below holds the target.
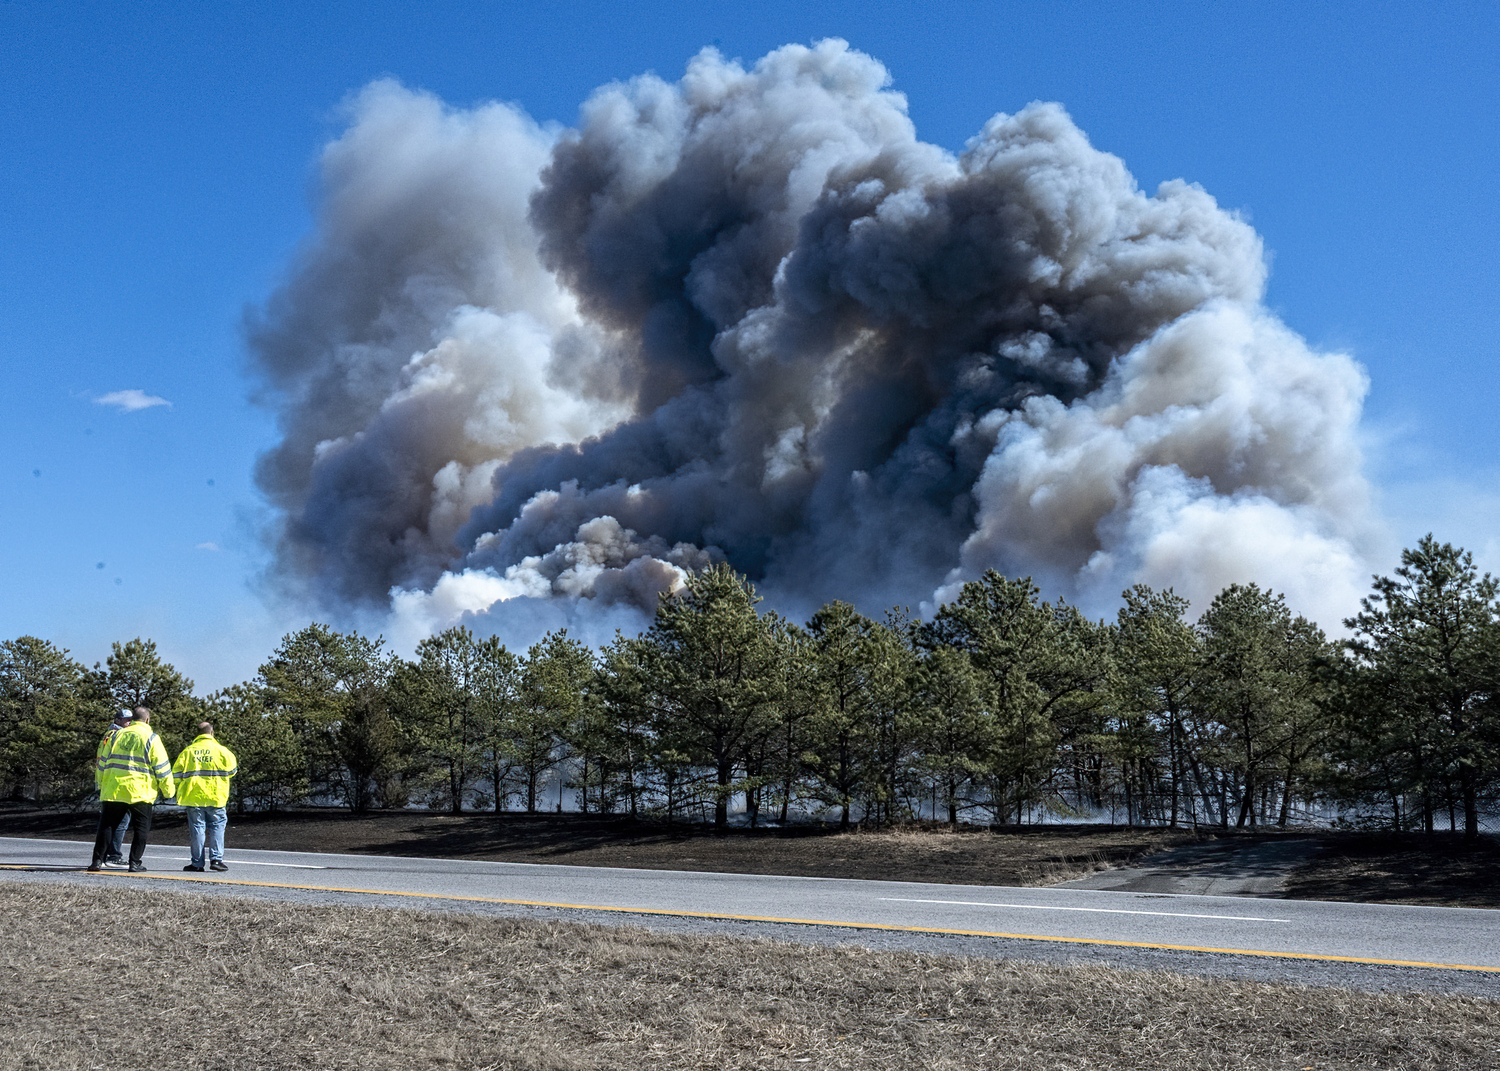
721,796
1175,762
1247,804
1468,784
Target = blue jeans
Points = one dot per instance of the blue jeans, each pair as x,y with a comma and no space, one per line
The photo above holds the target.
117,842
206,824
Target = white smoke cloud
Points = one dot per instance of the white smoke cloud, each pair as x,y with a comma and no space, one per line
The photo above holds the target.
1221,450
531,377
419,344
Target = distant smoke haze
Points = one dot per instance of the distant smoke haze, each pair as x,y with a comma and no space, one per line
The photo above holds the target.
530,378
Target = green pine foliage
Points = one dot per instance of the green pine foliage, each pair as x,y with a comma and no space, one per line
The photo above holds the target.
1002,709
49,723
1421,687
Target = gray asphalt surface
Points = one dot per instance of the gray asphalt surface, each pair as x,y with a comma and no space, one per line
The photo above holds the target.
1284,940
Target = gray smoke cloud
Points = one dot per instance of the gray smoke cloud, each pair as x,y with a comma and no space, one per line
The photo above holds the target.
539,376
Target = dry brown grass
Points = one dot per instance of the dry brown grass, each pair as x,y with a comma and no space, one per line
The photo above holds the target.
235,983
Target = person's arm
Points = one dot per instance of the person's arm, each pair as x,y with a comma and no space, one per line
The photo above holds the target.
99,755
162,768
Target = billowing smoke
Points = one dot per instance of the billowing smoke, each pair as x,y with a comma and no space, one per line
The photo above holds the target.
538,376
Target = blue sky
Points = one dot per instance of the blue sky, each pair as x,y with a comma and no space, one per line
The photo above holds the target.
157,166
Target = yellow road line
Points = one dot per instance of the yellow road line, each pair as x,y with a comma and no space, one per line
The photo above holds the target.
800,922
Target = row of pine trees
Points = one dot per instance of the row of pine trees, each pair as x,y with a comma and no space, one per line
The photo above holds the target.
1002,709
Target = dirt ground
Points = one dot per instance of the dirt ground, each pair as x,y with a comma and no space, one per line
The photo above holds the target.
1373,868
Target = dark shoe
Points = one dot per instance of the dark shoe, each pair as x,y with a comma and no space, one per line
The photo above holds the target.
137,868
95,868
190,866
218,864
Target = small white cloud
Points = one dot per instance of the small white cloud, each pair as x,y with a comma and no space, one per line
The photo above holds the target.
128,401
207,546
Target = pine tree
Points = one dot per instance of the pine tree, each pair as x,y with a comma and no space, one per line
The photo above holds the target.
272,763
439,699
1046,667
48,724
135,676
1429,640
713,665
555,688
958,731
1260,693
838,745
332,689
1155,687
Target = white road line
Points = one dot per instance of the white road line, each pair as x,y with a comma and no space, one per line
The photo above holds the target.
1095,910
292,866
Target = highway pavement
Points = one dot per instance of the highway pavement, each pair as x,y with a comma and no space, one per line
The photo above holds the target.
1431,939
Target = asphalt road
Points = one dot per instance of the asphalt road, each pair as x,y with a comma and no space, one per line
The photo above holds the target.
1442,948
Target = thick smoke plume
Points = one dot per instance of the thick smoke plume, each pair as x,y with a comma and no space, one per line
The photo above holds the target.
539,376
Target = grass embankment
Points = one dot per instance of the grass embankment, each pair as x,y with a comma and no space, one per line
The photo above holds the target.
121,978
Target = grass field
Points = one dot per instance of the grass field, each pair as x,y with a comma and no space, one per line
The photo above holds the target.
125,979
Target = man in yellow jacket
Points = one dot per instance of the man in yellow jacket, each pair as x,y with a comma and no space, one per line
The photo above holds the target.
116,856
130,769
203,771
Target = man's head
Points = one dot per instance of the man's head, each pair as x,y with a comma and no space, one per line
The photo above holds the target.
122,717
205,729
140,714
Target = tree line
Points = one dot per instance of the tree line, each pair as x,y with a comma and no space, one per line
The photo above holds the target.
1002,709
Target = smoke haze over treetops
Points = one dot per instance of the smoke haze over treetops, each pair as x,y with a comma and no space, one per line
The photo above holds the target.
531,377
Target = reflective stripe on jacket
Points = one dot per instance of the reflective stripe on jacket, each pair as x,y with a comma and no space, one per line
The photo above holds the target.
203,770
104,743
132,766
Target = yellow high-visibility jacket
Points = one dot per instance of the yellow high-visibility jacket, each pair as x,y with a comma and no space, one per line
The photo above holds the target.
203,771
131,766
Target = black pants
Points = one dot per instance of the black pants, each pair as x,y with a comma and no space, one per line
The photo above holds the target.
111,814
